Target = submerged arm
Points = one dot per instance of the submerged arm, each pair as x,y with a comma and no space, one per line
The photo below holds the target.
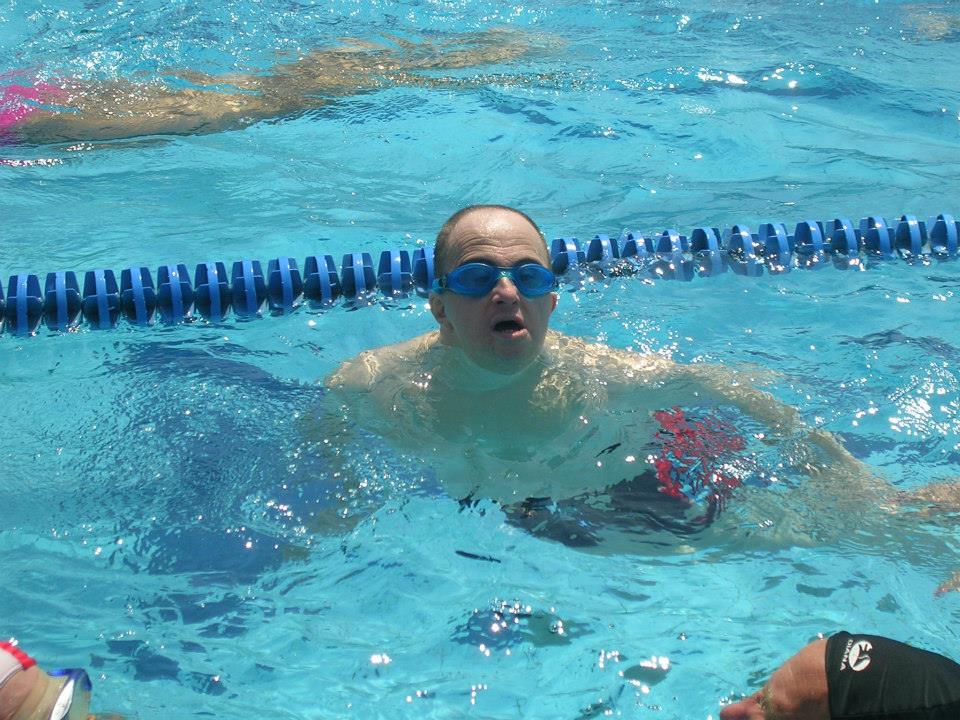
719,384
338,464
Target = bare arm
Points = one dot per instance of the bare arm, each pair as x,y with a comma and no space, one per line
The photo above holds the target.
717,383
784,421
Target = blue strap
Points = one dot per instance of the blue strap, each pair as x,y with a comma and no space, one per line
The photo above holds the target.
249,286
326,289
286,283
22,322
213,290
176,293
60,283
844,237
428,263
139,303
396,271
909,229
944,228
103,310
369,276
359,283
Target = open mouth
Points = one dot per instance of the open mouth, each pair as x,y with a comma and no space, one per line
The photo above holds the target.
508,327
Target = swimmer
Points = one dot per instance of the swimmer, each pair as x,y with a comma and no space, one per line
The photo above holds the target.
856,676
29,693
930,22
493,392
560,431
71,109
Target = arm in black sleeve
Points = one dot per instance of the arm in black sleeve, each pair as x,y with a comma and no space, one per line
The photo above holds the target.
874,678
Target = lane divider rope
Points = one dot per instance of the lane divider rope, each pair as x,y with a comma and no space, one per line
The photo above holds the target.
249,292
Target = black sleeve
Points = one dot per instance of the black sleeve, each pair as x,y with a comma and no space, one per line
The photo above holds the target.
874,678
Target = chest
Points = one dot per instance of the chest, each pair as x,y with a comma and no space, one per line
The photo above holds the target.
510,462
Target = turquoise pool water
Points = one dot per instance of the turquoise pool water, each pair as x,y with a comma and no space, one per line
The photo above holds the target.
168,519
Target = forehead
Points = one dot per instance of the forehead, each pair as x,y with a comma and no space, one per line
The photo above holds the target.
499,236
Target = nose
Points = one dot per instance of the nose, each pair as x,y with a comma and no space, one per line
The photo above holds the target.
505,291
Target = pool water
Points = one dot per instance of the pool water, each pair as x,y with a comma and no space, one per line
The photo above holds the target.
173,518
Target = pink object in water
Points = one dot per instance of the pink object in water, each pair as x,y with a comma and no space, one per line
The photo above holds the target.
18,102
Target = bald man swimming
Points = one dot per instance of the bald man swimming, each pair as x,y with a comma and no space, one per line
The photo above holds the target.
506,408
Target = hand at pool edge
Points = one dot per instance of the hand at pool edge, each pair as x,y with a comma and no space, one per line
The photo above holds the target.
796,691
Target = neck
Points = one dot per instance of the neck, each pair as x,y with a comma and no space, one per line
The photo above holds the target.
456,369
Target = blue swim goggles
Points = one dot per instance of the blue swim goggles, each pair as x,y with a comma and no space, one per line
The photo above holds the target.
478,278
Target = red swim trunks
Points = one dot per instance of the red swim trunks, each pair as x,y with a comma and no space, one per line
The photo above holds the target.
698,463
693,457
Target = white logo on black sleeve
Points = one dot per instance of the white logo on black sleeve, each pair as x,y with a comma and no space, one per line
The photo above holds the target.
856,655
859,658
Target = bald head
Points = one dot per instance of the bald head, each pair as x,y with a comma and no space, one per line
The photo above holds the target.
443,247
503,330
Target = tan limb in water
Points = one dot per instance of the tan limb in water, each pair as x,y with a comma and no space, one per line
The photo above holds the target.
929,21
837,479
105,110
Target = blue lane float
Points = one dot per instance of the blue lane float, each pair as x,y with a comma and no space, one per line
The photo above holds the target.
62,303
138,297
322,284
284,285
248,288
211,293
100,302
357,279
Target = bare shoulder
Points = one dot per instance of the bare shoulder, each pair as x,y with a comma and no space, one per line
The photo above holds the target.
618,366
370,366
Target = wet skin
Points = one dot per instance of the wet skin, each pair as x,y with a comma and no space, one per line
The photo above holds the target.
92,110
